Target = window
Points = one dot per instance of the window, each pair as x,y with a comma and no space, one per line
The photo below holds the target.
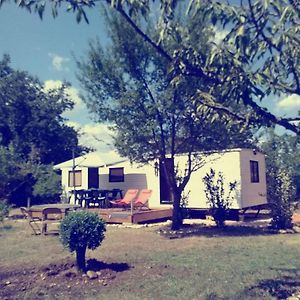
75,177
116,175
254,171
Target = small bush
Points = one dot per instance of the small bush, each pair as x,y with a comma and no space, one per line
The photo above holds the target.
4,209
79,231
280,197
215,194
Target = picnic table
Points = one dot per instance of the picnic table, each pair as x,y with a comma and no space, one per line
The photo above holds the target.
47,214
37,210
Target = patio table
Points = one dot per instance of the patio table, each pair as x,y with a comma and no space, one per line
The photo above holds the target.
97,197
37,210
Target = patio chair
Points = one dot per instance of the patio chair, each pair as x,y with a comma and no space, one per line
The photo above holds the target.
32,221
114,193
51,216
126,201
97,199
142,199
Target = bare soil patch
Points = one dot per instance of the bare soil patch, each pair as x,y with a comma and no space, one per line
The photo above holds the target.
58,278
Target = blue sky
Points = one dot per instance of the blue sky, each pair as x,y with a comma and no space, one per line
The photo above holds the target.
44,48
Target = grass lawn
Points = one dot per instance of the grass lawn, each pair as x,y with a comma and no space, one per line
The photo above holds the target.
239,263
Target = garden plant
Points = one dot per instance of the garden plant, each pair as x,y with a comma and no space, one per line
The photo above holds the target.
79,231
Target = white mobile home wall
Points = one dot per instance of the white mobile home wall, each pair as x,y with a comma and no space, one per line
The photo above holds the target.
235,166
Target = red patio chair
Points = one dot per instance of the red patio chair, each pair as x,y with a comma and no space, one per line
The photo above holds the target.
142,199
126,201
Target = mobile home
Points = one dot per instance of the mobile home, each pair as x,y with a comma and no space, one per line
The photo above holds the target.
246,167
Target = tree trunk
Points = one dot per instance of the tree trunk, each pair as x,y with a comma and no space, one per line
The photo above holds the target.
177,214
80,259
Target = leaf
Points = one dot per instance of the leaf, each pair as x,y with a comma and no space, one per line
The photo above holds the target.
41,10
78,16
241,31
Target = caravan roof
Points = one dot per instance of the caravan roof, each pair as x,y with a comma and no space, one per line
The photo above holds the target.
92,159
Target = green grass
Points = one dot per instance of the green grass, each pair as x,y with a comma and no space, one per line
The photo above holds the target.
204,266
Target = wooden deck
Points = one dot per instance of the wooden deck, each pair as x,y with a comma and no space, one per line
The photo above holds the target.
117,215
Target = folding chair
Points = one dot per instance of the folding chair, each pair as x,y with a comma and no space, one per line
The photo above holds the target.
142,199
51,216
126,201
32,221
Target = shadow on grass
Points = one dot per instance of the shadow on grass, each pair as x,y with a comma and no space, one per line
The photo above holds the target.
96,265
5,228
213,231
280,288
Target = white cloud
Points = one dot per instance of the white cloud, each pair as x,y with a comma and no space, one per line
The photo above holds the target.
97,136
71,92
59,62
289,103
52,84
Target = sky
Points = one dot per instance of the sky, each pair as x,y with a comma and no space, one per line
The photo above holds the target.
45,48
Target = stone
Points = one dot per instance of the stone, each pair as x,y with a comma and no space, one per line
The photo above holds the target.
292,298
91,274
69,274
296,229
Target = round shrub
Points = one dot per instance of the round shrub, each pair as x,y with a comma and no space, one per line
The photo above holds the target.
82,230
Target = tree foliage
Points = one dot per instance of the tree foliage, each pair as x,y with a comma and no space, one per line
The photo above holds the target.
282,151
31,117
79,231
26,178
280,198
283,173
33,136
257,59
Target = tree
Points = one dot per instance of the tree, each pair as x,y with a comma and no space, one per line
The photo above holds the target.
79,231
280,198
31,118
257,59
33,136
283,173
153,118
282,151
22,179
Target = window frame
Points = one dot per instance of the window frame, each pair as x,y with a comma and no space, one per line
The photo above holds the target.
254,171
71,178
116,178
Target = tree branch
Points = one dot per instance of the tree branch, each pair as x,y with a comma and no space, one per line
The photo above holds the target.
260,30
285,122
159,49
190,69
